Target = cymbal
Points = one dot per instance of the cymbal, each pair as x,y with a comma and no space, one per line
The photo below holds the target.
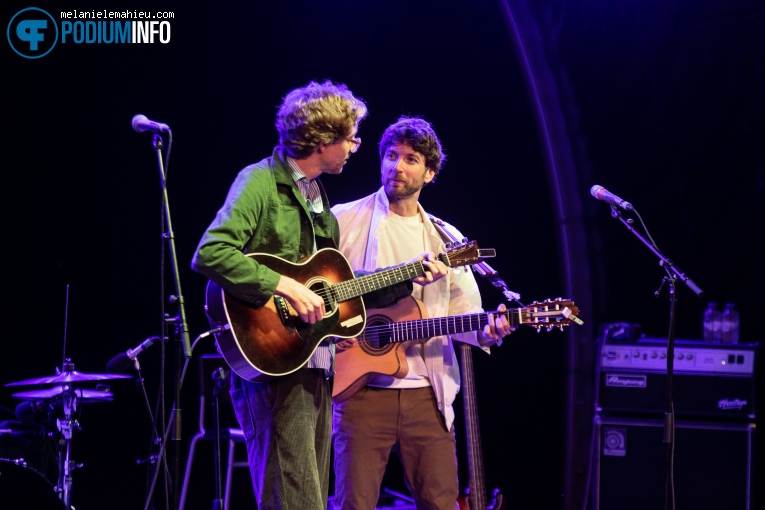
69,377
79,393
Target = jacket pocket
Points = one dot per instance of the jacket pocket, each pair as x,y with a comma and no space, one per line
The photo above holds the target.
285,230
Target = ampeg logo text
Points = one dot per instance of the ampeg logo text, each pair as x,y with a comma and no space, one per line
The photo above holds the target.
626,381
33,33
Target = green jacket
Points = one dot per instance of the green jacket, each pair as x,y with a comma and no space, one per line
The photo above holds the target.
265,212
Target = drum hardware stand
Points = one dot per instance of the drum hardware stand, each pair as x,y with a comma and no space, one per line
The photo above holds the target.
68,394
67,426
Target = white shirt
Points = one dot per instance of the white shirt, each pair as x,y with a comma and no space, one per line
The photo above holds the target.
362,224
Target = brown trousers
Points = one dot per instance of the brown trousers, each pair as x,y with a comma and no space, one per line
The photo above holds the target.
374,422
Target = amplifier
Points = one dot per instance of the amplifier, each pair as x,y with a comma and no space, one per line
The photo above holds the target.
710,380
714,465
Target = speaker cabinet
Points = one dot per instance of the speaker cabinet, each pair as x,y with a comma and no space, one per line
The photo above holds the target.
713,467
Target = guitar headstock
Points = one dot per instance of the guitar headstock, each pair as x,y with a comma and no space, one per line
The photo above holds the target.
548,314
464,254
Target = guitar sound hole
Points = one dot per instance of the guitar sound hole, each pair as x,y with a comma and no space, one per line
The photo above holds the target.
321,288
376,338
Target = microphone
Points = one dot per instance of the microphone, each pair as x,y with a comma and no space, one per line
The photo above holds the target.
602,193
122,361
141,124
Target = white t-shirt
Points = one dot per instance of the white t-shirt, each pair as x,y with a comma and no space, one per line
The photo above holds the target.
401,239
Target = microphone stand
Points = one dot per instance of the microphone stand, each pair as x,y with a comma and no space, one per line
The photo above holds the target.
663,261
182,327
673,274
220,380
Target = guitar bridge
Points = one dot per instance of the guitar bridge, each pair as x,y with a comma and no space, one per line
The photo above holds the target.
283,309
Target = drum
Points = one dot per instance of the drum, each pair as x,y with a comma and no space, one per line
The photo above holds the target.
31,442
21,483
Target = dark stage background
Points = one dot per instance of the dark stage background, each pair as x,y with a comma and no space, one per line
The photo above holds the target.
661,103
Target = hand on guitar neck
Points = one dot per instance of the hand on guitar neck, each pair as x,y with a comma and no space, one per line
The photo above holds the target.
435,269
309,306
496,329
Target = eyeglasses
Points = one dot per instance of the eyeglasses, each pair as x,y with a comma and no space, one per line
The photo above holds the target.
355,143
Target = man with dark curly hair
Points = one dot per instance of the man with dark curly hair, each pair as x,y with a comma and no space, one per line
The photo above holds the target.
410,414
278,207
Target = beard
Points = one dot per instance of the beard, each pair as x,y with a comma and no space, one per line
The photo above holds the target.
400,190
405,191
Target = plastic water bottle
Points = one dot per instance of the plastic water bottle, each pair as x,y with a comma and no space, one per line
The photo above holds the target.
730,323
712,319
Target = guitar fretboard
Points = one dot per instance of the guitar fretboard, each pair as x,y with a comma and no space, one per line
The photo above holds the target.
427,328
350,289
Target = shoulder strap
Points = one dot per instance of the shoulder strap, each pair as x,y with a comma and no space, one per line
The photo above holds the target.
440,227
482,267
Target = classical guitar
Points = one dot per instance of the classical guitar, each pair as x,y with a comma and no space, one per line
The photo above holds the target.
381,348
260,342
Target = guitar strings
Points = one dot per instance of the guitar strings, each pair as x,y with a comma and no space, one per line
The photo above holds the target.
427,328
547,314
335,291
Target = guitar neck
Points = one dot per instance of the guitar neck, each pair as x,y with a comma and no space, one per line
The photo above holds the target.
459,255
349,289
427,328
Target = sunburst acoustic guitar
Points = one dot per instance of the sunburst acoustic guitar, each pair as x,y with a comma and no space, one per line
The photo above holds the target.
260,342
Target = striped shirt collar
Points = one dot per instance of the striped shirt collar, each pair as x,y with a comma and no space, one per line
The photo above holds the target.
308,187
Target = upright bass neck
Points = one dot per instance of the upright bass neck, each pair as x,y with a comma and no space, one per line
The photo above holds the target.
476,495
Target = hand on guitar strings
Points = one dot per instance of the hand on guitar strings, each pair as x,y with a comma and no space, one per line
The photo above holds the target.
435,269
308,305
497,328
